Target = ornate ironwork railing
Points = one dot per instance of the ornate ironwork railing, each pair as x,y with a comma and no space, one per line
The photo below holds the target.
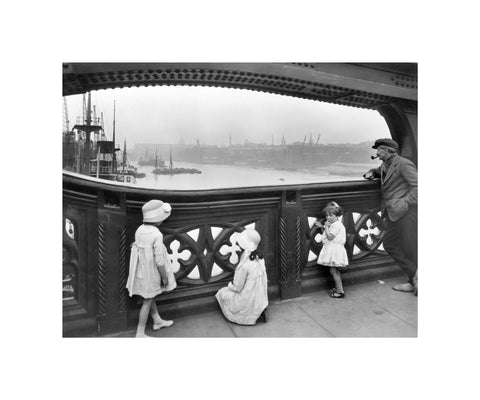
100,220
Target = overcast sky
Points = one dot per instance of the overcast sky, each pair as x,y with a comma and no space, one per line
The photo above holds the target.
167,113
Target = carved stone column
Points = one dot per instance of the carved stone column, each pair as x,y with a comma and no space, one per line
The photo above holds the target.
292,250
112,263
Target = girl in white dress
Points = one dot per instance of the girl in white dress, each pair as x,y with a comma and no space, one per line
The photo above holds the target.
245,299
333,253
150,265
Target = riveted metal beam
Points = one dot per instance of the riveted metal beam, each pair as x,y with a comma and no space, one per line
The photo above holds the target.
357,85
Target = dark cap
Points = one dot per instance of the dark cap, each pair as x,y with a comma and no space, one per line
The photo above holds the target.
385,142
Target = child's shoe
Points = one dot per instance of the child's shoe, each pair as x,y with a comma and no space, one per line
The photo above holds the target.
163,324
404,287
336,295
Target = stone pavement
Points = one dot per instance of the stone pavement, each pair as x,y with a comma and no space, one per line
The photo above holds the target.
369,309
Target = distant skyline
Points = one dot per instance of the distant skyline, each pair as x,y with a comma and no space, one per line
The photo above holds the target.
167,114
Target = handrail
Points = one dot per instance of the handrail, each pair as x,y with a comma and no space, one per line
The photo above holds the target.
74,178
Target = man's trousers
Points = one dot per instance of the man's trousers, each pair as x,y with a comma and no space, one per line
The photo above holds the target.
401,241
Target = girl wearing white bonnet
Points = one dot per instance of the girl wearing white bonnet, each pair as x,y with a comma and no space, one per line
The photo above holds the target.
150,270
245,299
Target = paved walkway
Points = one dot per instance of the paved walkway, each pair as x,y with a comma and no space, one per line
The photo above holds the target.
369,309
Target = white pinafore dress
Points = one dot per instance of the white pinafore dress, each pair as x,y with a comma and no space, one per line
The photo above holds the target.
148,258
333,253
244,299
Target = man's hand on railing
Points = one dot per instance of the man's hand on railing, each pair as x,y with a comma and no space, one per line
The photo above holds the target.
369,175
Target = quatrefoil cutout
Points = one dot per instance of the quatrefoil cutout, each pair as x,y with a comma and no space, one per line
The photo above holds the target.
232,248
175,256
369,232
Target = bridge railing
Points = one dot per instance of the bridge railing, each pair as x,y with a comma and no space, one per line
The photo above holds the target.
100,219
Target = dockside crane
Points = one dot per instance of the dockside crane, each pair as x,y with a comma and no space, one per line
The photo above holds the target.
66,122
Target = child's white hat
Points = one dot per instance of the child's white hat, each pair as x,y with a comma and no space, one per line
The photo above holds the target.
156,211
249,239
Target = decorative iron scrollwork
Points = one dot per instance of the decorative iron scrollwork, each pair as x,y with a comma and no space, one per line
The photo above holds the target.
102,273
365,233
206,253
297,250
70,264
69,229
122,303
283,251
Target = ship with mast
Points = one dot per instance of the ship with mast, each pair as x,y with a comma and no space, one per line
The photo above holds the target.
87,151
125,168
147,160
170,170
158,163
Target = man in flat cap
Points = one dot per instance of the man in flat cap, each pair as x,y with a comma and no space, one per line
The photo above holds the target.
398,178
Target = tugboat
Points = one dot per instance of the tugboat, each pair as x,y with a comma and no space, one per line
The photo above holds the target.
128,169
171,170
105,165
159,164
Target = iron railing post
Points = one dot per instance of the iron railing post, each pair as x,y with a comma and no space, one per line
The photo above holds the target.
292,245
112,263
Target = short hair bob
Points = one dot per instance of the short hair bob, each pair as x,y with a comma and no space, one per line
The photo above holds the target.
333,208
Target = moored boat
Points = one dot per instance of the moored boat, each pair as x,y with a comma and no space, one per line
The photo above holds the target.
173,171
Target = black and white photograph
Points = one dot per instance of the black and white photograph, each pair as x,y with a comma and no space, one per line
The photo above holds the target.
244,199
240,199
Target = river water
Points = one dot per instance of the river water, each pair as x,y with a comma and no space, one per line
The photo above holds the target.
216,176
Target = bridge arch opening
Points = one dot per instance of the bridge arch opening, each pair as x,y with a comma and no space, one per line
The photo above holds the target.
235,137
